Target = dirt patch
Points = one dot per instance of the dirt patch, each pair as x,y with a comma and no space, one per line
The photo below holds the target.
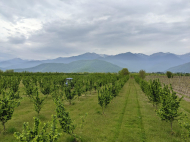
186,99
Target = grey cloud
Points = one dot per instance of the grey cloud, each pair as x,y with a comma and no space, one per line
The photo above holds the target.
17,39
100,25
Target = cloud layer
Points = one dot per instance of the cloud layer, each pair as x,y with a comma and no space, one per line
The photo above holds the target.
49,29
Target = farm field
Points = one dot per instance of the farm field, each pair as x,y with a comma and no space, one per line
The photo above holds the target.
180,84
129,117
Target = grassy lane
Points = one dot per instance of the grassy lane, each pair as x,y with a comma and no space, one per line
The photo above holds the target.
143,136
131,125
155,129
118,128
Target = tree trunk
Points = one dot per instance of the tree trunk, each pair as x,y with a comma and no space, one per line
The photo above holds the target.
4,126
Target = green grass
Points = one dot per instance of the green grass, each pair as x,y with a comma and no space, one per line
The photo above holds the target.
130,117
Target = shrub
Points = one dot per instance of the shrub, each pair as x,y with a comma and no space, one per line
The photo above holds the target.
142,74
169,74
124,71
9,71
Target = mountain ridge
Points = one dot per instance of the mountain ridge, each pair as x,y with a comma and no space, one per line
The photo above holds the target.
184,68
76,66
133,61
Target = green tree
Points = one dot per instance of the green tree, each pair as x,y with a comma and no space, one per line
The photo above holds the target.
168,110
37,135
7,105
124,71
29,89
104,98
79,91
9,71
46,89
185,128
64,118
101,101
155,91
142,74
38,102
69,94
169,74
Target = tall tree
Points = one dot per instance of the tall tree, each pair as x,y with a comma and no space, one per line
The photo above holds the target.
169,74
124,71
142,74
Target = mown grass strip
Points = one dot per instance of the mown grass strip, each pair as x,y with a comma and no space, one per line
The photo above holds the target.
143,135
155,129
120,120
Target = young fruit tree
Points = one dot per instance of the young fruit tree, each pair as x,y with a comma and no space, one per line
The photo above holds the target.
79,91
38,102
170,104
29,89
7,105
155,90
36,135
64,118
46,89
104,98
69,94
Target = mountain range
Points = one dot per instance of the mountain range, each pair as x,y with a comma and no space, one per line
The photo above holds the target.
76,66
157,62
185,68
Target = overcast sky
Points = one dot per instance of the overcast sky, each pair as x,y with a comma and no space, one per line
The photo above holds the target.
42,29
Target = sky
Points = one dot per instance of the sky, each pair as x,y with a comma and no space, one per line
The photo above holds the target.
47,29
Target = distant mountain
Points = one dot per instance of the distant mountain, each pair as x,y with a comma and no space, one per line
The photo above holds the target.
162,61
185,68
86,56
157,62
185,57
104,55
142,55
153,63
27,64
5,64
76,66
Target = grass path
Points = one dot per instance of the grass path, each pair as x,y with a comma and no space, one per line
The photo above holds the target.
143,136
120,121
155,129
131,125
140,122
